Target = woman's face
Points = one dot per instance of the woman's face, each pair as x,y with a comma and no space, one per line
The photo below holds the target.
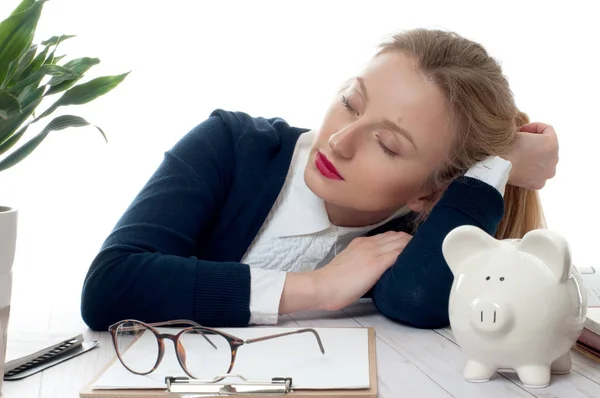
381,139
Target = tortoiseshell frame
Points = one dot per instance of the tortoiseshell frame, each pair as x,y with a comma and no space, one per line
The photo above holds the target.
234,342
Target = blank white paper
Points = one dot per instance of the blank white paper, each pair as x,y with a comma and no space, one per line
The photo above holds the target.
345,364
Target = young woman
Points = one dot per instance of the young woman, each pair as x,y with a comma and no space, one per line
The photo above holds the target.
248,218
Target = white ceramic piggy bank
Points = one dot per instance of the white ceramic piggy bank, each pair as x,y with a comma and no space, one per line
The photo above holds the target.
514,304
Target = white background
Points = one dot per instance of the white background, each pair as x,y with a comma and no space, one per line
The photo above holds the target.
276,58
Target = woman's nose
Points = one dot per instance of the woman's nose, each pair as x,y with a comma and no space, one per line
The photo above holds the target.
344,142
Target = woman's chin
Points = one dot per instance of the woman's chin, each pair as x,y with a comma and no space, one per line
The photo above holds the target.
320,185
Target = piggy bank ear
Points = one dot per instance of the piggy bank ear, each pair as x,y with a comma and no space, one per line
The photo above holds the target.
551,248
464,242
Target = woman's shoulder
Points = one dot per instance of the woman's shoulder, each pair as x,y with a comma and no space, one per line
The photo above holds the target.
227,131
236,137
245,129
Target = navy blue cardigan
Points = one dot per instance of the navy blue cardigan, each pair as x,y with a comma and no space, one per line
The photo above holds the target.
176,251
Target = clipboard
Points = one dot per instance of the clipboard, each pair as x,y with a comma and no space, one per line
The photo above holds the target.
236,385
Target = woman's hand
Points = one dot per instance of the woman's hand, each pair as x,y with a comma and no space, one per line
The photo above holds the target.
357,268
534,156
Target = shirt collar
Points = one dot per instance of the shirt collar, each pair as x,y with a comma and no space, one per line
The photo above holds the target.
299,211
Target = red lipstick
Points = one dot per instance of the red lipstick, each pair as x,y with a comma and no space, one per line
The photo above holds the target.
326,167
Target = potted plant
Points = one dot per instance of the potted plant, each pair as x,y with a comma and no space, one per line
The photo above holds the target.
30,74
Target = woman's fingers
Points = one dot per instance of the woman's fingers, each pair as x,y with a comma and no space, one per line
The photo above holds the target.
395,243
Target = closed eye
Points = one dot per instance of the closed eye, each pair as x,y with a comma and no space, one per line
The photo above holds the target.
345,102
387,150
347,105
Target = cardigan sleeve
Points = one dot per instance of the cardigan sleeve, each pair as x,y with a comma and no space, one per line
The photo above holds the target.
415,290
147,269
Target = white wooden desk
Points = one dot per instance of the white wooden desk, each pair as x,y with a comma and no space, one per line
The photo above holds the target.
411,362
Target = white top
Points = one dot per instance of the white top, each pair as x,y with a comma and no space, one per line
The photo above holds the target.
298,236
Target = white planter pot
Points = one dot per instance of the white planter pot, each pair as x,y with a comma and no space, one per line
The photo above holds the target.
8,240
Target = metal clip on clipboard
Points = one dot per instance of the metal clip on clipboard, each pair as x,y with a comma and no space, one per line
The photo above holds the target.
195,387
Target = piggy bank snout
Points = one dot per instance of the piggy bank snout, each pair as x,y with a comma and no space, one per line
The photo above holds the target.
490,315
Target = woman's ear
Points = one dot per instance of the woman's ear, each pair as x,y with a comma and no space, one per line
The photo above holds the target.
426,201
418,205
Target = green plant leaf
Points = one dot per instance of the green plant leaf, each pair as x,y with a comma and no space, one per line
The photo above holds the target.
29,94
55,40
3,114
36,64
12,69
8,127
65,74
86,92
24,62
12,140
9,104
25,4
16,34
28,106
79,65
58,123
57,71
17,65
58,58
43,58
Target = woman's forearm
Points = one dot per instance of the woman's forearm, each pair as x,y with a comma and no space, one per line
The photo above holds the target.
300,293
416,288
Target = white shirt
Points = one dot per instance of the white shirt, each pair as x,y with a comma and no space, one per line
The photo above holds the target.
297,235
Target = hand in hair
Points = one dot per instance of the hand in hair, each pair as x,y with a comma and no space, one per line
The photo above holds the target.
534,156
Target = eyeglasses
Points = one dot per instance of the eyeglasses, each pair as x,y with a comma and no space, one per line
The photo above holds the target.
201,352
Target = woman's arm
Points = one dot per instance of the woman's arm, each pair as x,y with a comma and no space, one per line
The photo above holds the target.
416,289
146,268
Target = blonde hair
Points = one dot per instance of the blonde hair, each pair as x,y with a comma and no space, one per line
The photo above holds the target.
484,115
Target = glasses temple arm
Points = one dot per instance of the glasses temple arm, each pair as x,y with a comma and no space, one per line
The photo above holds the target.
274,336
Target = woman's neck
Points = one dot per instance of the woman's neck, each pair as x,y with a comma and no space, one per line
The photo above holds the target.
345,217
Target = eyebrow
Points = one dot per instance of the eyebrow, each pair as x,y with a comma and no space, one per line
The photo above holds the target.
388,123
